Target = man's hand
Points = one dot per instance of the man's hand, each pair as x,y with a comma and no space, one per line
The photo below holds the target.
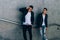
46,28
40,28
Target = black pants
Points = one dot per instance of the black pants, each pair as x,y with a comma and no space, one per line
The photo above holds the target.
29,29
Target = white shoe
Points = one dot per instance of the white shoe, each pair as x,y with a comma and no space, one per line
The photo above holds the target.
46,39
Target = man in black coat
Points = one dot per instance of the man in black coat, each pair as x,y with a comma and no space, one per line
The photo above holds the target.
42,22
27,20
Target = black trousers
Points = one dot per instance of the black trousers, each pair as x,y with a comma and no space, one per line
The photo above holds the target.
29,29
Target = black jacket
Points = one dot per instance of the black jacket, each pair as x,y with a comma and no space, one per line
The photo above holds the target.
39,20
25,11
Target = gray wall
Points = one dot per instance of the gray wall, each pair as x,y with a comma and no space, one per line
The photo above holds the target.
9,8
53,10
9,17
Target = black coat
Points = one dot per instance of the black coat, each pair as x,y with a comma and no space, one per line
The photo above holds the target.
39,20
25,11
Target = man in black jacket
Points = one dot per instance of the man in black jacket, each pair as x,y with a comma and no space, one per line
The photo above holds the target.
27,20
42,22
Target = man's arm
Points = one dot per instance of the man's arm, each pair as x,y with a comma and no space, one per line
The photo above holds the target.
22,9
47,23
38,20
32,18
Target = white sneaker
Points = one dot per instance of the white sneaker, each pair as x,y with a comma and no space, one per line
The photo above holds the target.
46,39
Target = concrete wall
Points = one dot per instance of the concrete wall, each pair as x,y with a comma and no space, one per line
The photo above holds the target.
9,8
53,10
9,17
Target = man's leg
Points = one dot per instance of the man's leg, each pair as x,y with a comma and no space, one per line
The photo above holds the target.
45,35
42,33
30,32
43,38
24,32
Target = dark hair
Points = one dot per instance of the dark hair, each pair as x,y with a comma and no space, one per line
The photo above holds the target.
45,8
31,6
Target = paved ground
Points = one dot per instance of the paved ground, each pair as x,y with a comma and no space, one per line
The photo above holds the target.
9,31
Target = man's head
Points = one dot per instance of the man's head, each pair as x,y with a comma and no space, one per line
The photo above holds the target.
30,8
45,10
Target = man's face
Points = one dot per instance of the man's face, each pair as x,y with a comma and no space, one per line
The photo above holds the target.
44,11
30,9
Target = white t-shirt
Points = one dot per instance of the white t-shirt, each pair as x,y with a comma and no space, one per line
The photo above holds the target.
27,19
43,20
